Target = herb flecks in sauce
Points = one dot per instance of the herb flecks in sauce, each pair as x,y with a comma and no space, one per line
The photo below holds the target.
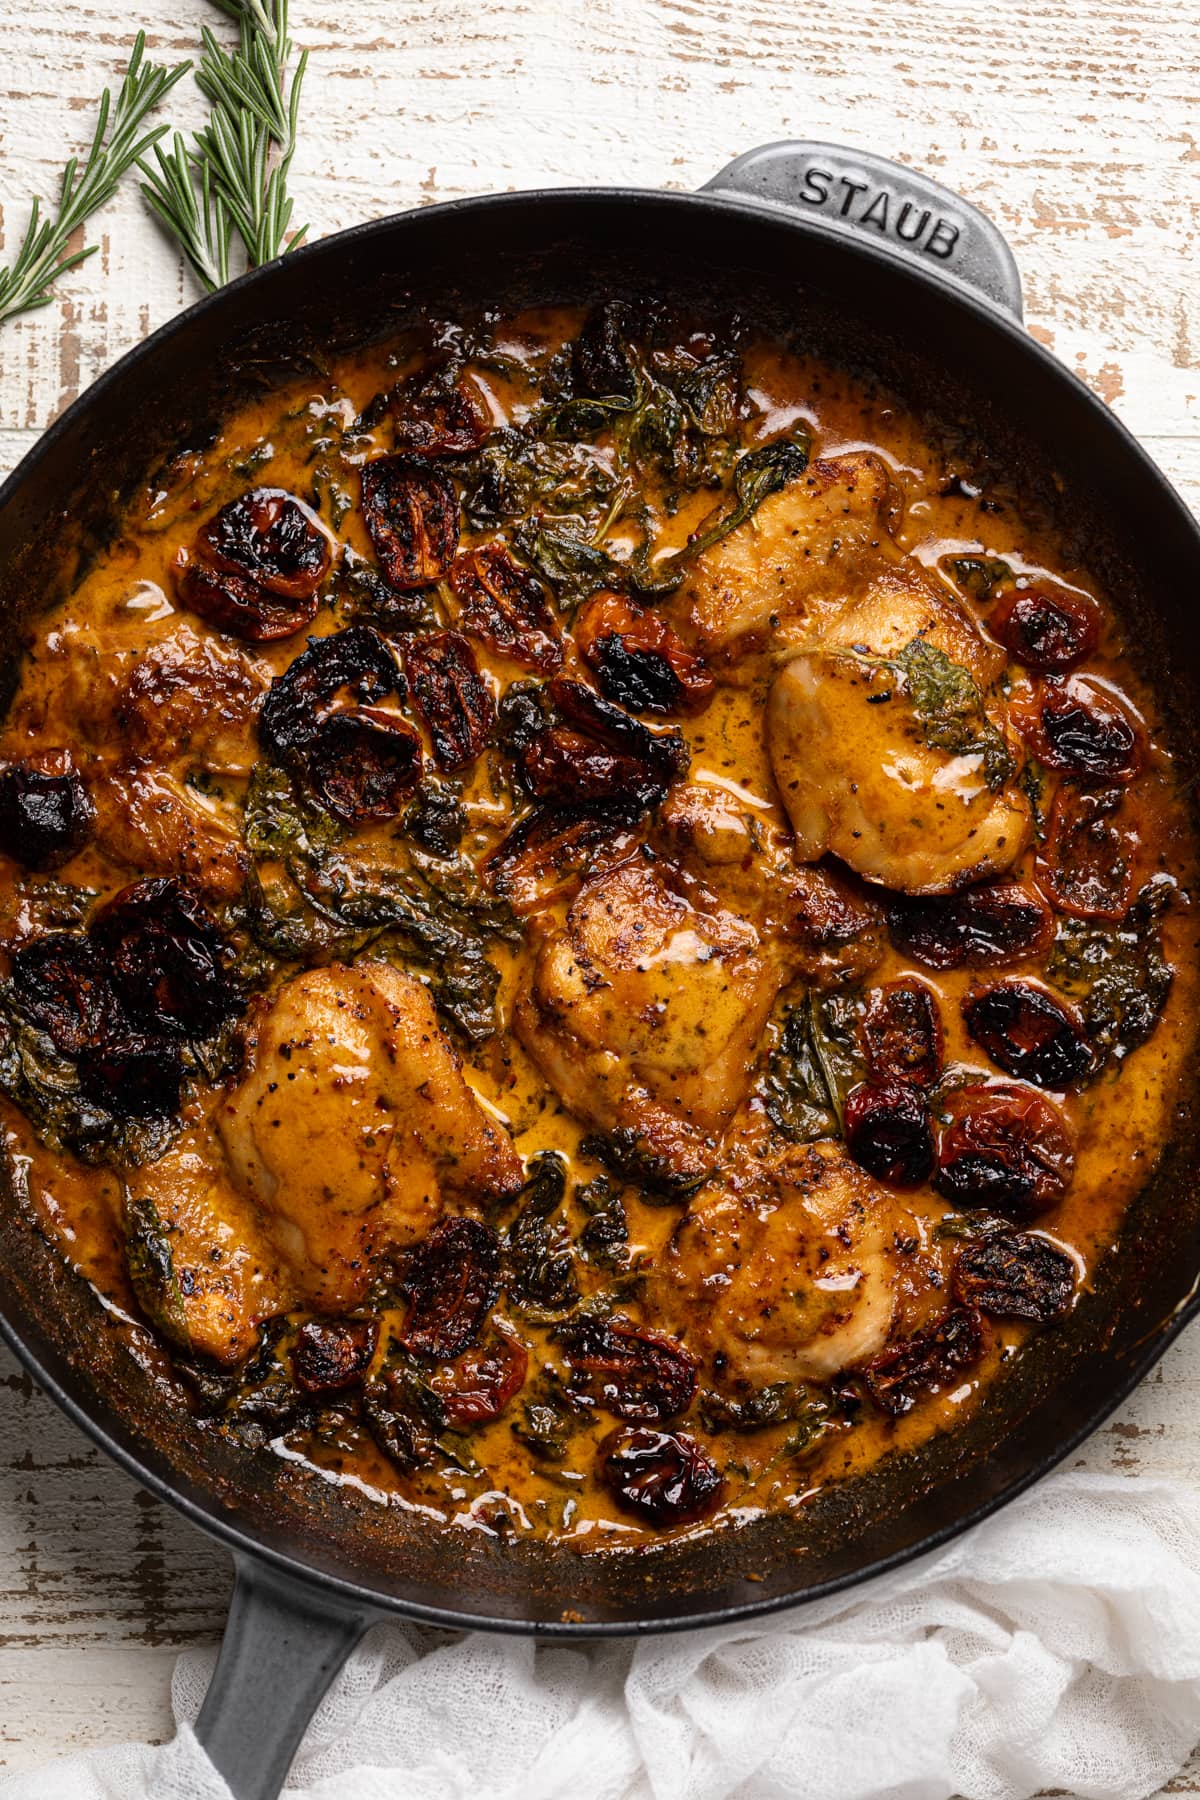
482,1102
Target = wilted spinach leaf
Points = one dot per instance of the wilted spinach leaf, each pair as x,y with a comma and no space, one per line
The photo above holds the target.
812,1068
1117,973
979,576
539,1267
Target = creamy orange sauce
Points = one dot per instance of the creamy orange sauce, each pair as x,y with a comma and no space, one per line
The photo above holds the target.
293,439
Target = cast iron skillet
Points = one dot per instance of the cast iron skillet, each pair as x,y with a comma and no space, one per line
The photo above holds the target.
862,260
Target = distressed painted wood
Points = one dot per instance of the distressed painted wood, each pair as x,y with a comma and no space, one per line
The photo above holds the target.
1073,122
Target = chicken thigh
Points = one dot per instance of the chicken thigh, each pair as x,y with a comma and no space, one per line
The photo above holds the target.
645,1011
806,550
916,801
783,1269
354,1127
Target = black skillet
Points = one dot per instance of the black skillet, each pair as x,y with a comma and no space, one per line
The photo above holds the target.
870,264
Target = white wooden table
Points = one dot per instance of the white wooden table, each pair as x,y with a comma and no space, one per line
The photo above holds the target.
1075,123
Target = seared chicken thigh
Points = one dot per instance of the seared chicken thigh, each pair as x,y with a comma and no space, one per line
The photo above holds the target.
806,550
783,1270
645,1011
861,773
354,1127
203,1268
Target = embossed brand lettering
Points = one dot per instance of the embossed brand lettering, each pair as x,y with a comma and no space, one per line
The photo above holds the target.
881,208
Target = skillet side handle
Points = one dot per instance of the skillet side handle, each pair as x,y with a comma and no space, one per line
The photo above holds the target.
856,193
284,1642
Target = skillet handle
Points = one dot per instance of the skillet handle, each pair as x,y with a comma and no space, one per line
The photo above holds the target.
856,193
284,1642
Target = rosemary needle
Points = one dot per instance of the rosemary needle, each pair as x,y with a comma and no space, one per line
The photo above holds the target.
44,255
230,185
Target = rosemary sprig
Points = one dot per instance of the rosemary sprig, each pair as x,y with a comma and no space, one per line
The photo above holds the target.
44,254
231,184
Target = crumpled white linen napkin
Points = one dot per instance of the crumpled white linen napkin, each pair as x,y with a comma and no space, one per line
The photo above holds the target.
1057,1645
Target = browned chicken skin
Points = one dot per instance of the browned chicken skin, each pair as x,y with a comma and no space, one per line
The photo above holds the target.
645,1011
806,550
785,1269
354,1127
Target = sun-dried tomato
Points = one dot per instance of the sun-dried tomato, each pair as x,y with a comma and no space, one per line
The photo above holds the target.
451,696
1003,1149
1046,627
997,921
165,957
1087,865
356,663
1083,728
504,603
665,753
1029,1033
1012,1275
888,1132
46,813
364,765
132,1076
567,767
901,1034
61,985
437,413
640,662
410,510
482,1381
662,1478
330,1355
903,1373
638,1374
451,1281
236,604
550,849
273,539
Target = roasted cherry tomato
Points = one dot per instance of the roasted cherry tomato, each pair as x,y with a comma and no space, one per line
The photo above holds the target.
900,1375
451,1283
166,958
1003,1149
1083,728
132,1076
353,667
271,537
662,1477
995,922
451,696
238,605
506,605
901,1034
61,984
1088,862
888,1132
438,414
330,1355
638,1374
410,510
482,1382
1012,1275
1046,627
639,660
46,814
1029,1033
364,765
